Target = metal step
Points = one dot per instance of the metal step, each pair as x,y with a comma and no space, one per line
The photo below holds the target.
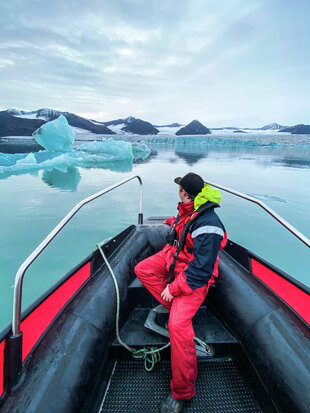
220,388
204,350
207,327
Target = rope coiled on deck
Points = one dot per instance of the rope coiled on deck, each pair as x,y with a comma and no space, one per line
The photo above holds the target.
150,355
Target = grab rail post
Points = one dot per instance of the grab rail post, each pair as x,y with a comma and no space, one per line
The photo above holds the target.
15,360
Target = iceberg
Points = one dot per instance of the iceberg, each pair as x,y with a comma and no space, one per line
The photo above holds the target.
108,153
55,135
140,151
119,150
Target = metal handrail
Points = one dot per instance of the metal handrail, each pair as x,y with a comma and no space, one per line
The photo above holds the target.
270,211
17,297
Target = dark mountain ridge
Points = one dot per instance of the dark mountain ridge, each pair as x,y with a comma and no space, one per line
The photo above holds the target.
193,128
13,126
12,123
51,114
116,122
134,125
300,129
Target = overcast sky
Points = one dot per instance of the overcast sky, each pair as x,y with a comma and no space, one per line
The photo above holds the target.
228,62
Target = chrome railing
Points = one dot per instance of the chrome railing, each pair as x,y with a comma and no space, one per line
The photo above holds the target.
17,297
270,211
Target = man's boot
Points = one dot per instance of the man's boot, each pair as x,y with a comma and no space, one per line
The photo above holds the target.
170,405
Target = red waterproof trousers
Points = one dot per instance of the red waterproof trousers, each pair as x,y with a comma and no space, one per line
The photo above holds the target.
153,274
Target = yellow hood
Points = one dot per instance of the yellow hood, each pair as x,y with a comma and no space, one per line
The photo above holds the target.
207,194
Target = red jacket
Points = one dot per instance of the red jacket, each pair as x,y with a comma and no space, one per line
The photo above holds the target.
197,262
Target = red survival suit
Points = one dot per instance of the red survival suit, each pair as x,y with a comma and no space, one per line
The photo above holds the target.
195,270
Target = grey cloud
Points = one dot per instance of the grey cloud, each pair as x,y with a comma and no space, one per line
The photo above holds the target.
167,61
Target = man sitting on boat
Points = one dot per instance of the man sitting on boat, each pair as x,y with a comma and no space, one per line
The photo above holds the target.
179,277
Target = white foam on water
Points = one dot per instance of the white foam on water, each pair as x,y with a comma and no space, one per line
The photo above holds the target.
264,197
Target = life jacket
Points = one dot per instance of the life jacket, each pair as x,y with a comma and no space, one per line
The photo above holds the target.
172,237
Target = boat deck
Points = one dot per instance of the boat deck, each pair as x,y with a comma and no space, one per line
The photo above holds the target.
221,387
225,383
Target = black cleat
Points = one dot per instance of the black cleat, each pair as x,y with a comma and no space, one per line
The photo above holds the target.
170,405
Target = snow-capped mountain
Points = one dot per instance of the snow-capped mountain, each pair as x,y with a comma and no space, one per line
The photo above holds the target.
13,125
132,125
273,126
51,114
15,122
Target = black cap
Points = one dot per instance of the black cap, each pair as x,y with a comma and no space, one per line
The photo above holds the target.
191,183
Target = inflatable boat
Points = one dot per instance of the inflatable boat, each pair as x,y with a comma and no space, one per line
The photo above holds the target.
91,343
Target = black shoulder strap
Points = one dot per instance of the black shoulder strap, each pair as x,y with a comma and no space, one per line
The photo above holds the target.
177,219
172,234
186,228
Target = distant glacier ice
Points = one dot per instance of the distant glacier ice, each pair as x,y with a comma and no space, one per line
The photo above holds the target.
248,140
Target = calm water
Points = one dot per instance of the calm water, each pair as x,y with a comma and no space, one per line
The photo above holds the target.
31,205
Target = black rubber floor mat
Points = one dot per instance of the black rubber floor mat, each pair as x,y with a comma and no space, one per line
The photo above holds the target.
220,388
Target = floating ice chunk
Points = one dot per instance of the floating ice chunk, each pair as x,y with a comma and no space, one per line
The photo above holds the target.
140,151
120,150
88,154
8,159
50,160
55,135
22,162
28,160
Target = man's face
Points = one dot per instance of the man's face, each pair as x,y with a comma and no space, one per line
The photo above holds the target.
182,194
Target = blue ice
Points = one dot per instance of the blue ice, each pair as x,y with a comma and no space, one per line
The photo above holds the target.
101,154
56,135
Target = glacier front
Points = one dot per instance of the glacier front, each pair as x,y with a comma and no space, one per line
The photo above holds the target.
56,135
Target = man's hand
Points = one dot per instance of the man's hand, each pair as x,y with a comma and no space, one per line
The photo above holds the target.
166,296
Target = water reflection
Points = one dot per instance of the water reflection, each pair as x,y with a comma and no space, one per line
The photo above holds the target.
66,180
190,158
293,163
290,157
115,166
152,155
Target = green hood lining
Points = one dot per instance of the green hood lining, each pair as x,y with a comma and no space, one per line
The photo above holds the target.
207,194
